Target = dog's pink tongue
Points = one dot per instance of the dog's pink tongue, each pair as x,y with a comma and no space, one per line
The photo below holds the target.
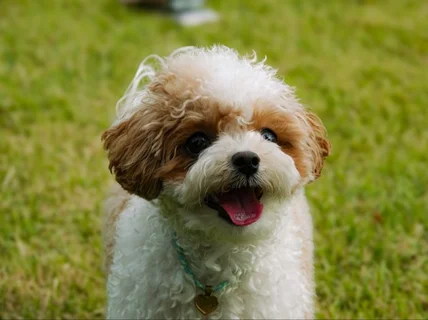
242,206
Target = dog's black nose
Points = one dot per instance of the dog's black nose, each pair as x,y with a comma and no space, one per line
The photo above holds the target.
246,162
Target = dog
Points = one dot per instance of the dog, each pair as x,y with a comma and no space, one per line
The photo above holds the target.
209,219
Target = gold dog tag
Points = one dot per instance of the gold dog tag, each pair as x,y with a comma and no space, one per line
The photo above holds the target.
206,303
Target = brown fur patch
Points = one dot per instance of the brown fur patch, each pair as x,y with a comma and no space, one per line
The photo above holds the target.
319,145
201,116
289,131
132,155
302,137
147,148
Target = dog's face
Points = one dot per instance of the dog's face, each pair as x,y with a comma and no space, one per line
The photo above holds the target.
219,135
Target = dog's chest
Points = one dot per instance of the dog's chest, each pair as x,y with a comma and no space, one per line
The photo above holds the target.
148,281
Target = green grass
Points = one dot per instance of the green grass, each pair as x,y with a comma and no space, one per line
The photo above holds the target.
360,65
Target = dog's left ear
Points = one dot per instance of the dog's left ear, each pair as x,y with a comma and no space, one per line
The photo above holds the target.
319,145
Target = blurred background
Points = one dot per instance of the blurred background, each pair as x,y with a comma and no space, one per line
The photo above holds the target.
360,65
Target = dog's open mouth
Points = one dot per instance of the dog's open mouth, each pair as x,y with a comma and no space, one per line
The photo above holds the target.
241,207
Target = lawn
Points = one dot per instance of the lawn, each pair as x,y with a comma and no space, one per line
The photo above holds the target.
360,65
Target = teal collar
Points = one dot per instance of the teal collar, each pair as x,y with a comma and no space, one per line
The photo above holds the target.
189,271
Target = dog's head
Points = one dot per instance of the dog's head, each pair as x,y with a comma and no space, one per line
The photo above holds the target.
217,134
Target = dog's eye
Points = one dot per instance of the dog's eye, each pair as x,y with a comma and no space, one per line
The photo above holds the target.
196,143
268,135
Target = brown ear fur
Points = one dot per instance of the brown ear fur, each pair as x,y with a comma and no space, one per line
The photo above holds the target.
320,147
131,147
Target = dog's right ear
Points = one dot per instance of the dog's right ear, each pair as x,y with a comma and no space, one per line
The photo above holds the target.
134,149
320,146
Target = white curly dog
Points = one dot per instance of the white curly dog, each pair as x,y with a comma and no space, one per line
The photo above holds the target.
212,153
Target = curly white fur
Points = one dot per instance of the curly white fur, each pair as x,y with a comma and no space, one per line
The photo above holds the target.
267,278
268,263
